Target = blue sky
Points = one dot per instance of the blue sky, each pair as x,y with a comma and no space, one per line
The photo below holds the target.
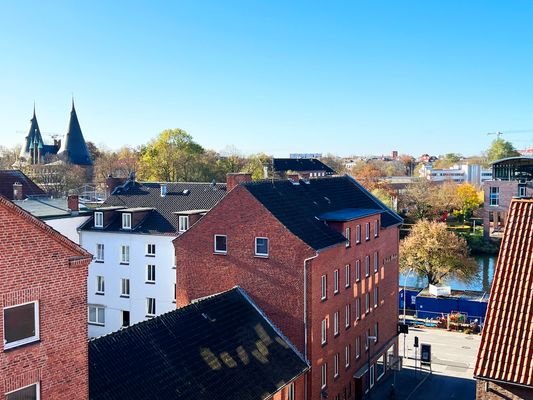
337,77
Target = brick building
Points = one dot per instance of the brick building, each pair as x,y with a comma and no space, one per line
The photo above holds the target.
43,329
504,367
320,257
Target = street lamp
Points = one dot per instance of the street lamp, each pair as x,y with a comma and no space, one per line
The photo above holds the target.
368,340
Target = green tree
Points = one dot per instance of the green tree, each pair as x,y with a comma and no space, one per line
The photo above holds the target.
173,156
436,253
499,149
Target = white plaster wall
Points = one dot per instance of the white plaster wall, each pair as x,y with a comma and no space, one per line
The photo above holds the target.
68,226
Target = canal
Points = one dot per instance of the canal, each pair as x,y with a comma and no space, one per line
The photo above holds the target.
481,282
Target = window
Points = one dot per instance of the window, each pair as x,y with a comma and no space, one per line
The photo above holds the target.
367,302
376,228
347,355
357,308
367,335
221,244
261,246
336,281
26,393
21,324
98,219
124,287
367,266
291,395
150,273
99,252
347,276
376,296
347,315
150,250
125,318
183,223
367,231
372,375
336,365
100,284
376,261
323,287
175,291
521,191
357,271
150,307
376,332
348,234
324,331
126,221
358,234
96,315
358,347
336,323
494,196
380,366
124,254
324,381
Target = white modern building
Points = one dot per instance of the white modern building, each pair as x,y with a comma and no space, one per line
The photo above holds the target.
470,173
132,276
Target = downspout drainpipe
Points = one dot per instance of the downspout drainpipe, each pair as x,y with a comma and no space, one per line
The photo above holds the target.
305,318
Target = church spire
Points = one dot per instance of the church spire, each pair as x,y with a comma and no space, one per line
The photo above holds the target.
73,148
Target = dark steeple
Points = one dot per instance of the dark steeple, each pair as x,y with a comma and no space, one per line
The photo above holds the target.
74,149
32,149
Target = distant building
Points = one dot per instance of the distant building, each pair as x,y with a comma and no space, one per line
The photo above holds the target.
220,348
132,277
504,367
512,177
43,328
320,257
465,173
15,185
310,167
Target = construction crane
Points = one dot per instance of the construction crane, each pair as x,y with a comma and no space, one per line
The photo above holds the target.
499,133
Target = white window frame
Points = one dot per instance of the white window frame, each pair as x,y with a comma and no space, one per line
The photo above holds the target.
183,223
347,315
124,287
347,276
100,284
335,323
336,281
347,355
100,252
367,302
324,331
376,261
97,314
126,220
124,254
494,196
151,307
358,234
215,249
357,308
376,228
357,270
150,273
376,296
336,365
376,332
37,391
521,191
367,266
367,231
98,219
291,392
357,347
323,287
348,235
150,249
123,325
257,254
324,376
372,376
30,339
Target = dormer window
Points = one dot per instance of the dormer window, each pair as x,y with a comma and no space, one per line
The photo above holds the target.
126,221
98,219
183,223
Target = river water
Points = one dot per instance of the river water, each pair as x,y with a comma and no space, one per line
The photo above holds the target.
482,281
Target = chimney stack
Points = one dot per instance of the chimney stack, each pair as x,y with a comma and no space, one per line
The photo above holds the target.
235,179
73,203
111,183
163,189
17,191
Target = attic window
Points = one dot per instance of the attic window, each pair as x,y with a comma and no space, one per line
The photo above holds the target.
186,192
98,219
183,223
126,221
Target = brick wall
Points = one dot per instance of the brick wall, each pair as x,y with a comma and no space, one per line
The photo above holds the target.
493,391
507,190
36,267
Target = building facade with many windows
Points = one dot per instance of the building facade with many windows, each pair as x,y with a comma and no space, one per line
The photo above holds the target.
132,277
320,257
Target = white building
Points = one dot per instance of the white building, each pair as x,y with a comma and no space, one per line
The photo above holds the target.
132,276
470,173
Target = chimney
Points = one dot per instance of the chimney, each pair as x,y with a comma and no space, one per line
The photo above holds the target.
163,189
294,179
17,191
235,179
111,183
73,203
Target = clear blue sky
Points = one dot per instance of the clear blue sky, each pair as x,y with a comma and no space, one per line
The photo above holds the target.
348,77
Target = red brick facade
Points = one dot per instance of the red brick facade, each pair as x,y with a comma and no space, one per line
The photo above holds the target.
40,265
276,284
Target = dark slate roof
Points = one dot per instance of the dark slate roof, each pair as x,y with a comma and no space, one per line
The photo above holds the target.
10,176
181,196
301,165
348,214
74,149
220,348
299,207
506,350
35,139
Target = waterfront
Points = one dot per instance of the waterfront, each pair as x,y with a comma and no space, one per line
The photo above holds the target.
482,281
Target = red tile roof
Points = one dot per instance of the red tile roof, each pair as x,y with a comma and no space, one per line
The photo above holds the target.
506,351
10,176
